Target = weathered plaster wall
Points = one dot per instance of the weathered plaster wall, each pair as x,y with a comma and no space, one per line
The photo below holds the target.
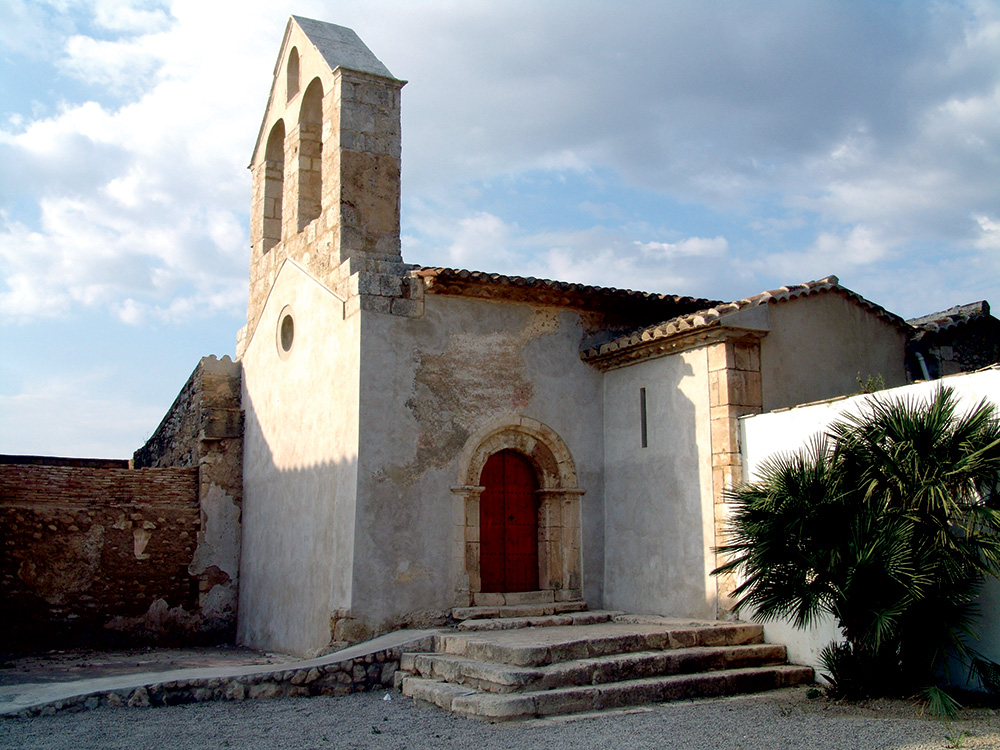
428,384
766,435
301,439
204,429
93,552
819,345
658,500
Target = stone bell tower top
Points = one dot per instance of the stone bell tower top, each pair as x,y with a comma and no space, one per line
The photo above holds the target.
326,163
340,47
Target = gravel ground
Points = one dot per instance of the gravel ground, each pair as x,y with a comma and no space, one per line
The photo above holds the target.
782,719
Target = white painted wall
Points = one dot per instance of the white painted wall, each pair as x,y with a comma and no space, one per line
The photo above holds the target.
659,523
765,435
427,385
299,469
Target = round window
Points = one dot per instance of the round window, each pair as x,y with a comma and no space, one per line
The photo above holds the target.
286,332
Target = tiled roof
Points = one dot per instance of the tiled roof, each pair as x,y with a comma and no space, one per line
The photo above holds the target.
953,316
460,282
726,314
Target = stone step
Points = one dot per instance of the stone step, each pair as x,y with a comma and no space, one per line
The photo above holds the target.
498,599
544,609
501,678
465,701
532,647
509,623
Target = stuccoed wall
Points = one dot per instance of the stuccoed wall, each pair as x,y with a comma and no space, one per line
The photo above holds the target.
428,384
300,452
818,346
658,500
765,435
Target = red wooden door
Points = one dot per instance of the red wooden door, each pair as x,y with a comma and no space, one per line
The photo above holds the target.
508,524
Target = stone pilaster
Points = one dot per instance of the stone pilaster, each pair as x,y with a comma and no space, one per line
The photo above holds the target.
734,391
466,563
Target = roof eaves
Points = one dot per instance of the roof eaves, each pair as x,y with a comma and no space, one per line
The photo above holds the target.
462,282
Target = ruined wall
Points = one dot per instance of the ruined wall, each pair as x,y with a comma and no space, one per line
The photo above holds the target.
95,552
204,429
967,347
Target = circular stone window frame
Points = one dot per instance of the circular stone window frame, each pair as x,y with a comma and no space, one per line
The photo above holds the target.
284,347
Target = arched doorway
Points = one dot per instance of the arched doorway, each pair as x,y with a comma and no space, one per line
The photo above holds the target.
508,523
557,509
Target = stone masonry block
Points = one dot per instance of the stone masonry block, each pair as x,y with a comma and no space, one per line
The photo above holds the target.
390,285
718,391
406,308
472,512
369,284
724,435
727,458
351,630
744,387
720,356
747,355
726,477
376,304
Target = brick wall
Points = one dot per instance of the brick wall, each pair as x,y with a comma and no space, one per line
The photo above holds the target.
89,551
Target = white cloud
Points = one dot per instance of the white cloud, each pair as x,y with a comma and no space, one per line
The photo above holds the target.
479,240
832,253
123,15
989,238
140,205
120,65
743,108
698,247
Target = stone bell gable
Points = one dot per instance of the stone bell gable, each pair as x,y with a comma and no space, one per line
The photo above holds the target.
325,166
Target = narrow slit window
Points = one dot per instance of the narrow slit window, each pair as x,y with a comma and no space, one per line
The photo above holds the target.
642,418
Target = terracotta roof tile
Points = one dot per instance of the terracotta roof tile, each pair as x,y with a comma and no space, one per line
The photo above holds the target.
953,316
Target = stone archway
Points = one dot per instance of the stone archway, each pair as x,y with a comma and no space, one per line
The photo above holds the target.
559,541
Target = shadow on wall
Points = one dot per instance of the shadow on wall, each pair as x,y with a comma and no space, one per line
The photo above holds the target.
297,549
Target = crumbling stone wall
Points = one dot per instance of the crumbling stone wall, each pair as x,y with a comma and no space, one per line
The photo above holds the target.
91,548
965,347
204,430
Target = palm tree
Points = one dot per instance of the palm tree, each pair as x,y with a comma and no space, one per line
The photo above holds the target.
889,522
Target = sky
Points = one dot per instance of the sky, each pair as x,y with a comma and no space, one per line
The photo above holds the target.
713,149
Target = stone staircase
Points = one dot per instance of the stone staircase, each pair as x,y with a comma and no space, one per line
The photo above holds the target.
508,662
